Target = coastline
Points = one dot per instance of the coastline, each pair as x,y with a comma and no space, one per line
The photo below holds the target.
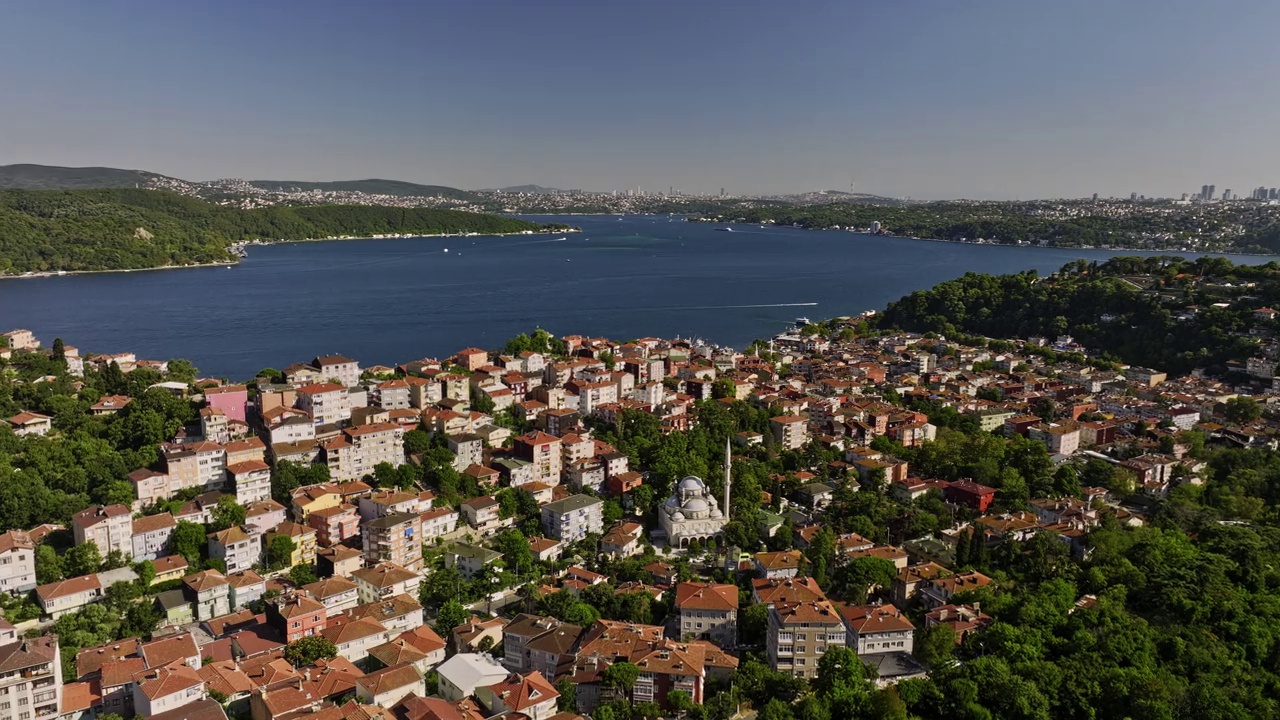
1107,248
238,246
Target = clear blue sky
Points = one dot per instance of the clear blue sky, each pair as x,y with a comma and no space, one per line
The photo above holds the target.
922,98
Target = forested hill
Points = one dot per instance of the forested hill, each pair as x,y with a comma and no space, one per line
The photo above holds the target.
51,177
373,187
1154,312
43,231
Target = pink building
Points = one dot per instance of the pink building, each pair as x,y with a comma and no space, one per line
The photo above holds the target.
230,399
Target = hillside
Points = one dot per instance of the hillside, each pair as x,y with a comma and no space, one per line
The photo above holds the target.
531,189
51,177
1099,307
372,186
112,229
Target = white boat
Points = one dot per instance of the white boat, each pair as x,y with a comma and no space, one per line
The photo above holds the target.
725,229
803,321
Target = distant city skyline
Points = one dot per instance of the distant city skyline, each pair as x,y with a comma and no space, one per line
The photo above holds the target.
929,100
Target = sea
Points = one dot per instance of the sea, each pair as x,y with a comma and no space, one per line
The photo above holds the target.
387,301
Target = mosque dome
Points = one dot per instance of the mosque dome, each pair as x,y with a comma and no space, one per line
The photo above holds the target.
695,506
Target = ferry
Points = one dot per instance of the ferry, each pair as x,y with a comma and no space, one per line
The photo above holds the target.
803,321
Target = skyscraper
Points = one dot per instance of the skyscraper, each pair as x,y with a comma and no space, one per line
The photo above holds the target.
1212,190
1226,194
1205,192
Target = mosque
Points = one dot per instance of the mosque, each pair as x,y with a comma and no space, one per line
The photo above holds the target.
691,513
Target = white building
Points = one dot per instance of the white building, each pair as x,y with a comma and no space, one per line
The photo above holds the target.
461,674
109,527
31,684
572,518
17,562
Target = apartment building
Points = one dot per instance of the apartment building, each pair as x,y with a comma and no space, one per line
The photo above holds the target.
17,562
1059,438
385,502
438,523
470,560
384,581
791,431
250,480
31,681
325,402
339,369
109,527
334,524
396,538
543,451
213,425
467,449
337,594
196,465
165,688
572,518
67,596
149,487
482,514
360,449
392,395
799,634
304,541
878,629
239,547
151,535
296,615
708,611
209,592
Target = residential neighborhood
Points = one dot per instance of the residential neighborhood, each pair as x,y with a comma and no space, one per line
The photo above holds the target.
552,528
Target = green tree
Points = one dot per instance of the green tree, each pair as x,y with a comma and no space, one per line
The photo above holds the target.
451,615
854,579
301,575
146,571
48,565
936,646
280,549
775,709
189,541
83,559
306,651
621,676
680,702
1242,410
227,513
567,702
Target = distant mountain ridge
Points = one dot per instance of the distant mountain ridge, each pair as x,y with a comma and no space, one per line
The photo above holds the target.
53,177
531,189
373,186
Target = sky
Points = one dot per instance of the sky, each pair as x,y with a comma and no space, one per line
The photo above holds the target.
927,99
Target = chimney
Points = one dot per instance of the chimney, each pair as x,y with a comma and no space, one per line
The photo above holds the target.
977,609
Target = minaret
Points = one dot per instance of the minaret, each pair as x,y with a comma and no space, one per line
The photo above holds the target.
728,460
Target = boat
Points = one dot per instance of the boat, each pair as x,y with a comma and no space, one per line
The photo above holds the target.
803,321
725,229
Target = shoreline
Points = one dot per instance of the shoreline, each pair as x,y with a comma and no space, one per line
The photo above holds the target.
235,259
1105,248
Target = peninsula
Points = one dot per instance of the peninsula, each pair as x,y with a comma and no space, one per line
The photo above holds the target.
43,231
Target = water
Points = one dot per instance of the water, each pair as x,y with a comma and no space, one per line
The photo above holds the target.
391,301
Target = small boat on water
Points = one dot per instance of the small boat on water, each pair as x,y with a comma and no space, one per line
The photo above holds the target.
725,229
803,321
